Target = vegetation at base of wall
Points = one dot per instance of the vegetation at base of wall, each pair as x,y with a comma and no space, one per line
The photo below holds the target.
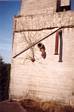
4,79
49,106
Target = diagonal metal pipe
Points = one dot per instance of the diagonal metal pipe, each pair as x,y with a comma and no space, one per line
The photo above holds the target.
37,42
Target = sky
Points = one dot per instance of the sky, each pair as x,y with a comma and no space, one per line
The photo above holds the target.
8,9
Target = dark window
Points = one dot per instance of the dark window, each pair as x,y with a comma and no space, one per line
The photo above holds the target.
62,6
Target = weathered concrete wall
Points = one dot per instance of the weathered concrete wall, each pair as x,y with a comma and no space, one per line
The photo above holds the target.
24,25
44,79
44,21
32,7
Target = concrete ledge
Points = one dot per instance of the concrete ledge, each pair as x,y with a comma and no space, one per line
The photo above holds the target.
42,21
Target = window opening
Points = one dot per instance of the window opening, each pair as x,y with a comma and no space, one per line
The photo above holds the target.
63,5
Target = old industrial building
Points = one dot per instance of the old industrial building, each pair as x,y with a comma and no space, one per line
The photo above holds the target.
43,51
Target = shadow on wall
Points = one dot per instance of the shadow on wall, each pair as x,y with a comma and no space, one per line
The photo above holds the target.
4,81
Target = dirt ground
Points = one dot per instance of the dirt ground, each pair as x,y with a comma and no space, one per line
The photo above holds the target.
29,105
48,106
6,106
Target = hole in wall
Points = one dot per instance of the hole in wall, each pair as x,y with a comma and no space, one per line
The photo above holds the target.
42,50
